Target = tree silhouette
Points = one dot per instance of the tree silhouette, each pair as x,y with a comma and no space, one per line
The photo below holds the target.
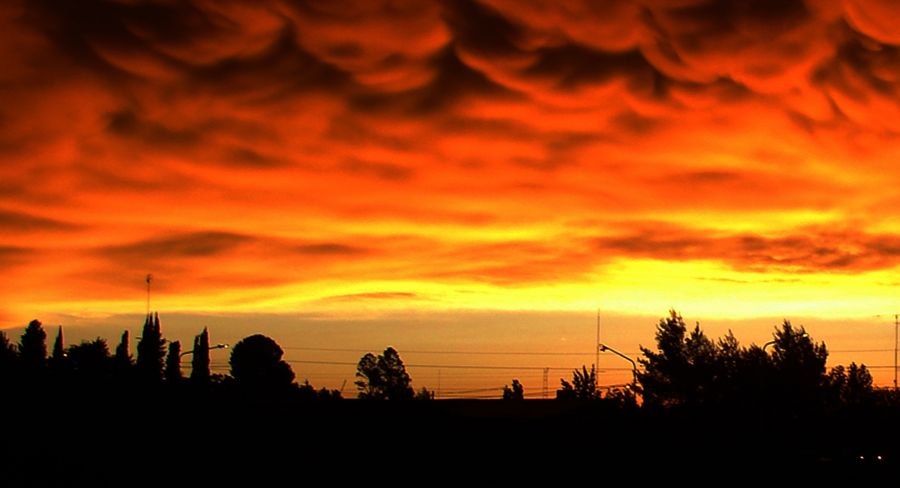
517,392
90,360
852,385
122,361
58,356
256,362
582,387
173,363
151,350
685,369
383,377
424,394
800,382
123,354
33,348
8,357
200,358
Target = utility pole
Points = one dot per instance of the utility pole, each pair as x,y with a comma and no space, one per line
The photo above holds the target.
896,343
546,385
149,278
597,354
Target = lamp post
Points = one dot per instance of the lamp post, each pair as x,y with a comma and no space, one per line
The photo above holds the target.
210,348
604,348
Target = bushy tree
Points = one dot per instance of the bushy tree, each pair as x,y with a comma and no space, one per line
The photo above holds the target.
690,369
383,377
582,387
852,385
151,350
800,382
33,348
90,360
424,394
516,392
256,362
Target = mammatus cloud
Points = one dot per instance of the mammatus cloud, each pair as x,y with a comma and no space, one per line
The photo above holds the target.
260,145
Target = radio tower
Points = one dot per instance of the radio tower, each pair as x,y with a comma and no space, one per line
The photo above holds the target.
149,278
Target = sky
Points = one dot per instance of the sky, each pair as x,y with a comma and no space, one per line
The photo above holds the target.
472,163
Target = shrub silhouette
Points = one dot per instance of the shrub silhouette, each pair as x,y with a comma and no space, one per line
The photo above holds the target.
516,392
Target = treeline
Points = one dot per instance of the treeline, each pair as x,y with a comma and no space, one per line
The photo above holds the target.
256,365
686,369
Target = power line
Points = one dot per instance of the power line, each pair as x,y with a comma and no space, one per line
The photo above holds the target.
471,353
453,366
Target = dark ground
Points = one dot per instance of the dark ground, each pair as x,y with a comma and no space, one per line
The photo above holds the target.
165,440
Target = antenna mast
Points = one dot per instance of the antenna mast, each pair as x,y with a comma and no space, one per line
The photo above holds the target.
597,354
149,278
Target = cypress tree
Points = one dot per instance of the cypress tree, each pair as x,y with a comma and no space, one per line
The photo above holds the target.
173,363
122,358
151,351
57,357
200,360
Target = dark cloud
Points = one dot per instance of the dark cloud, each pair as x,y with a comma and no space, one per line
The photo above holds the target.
454,83
14,255
12,221
192,245
126,123
383,171
212,244
482,30
815,250
328,249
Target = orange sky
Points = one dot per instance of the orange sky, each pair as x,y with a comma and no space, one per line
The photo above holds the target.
347,158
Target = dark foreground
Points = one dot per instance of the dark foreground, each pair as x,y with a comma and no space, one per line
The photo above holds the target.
176,441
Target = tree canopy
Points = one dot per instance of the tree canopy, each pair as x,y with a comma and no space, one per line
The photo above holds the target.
256,361
33,348
687,368
582,387
383,377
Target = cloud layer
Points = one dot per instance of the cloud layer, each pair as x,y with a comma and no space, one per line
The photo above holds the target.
276,154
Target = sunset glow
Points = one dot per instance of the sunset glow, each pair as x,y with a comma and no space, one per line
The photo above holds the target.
732,159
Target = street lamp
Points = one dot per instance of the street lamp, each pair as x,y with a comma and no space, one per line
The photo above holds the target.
604,348
210,348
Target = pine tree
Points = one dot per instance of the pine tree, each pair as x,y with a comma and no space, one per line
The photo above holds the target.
173,363
151,350
200,359
58,356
